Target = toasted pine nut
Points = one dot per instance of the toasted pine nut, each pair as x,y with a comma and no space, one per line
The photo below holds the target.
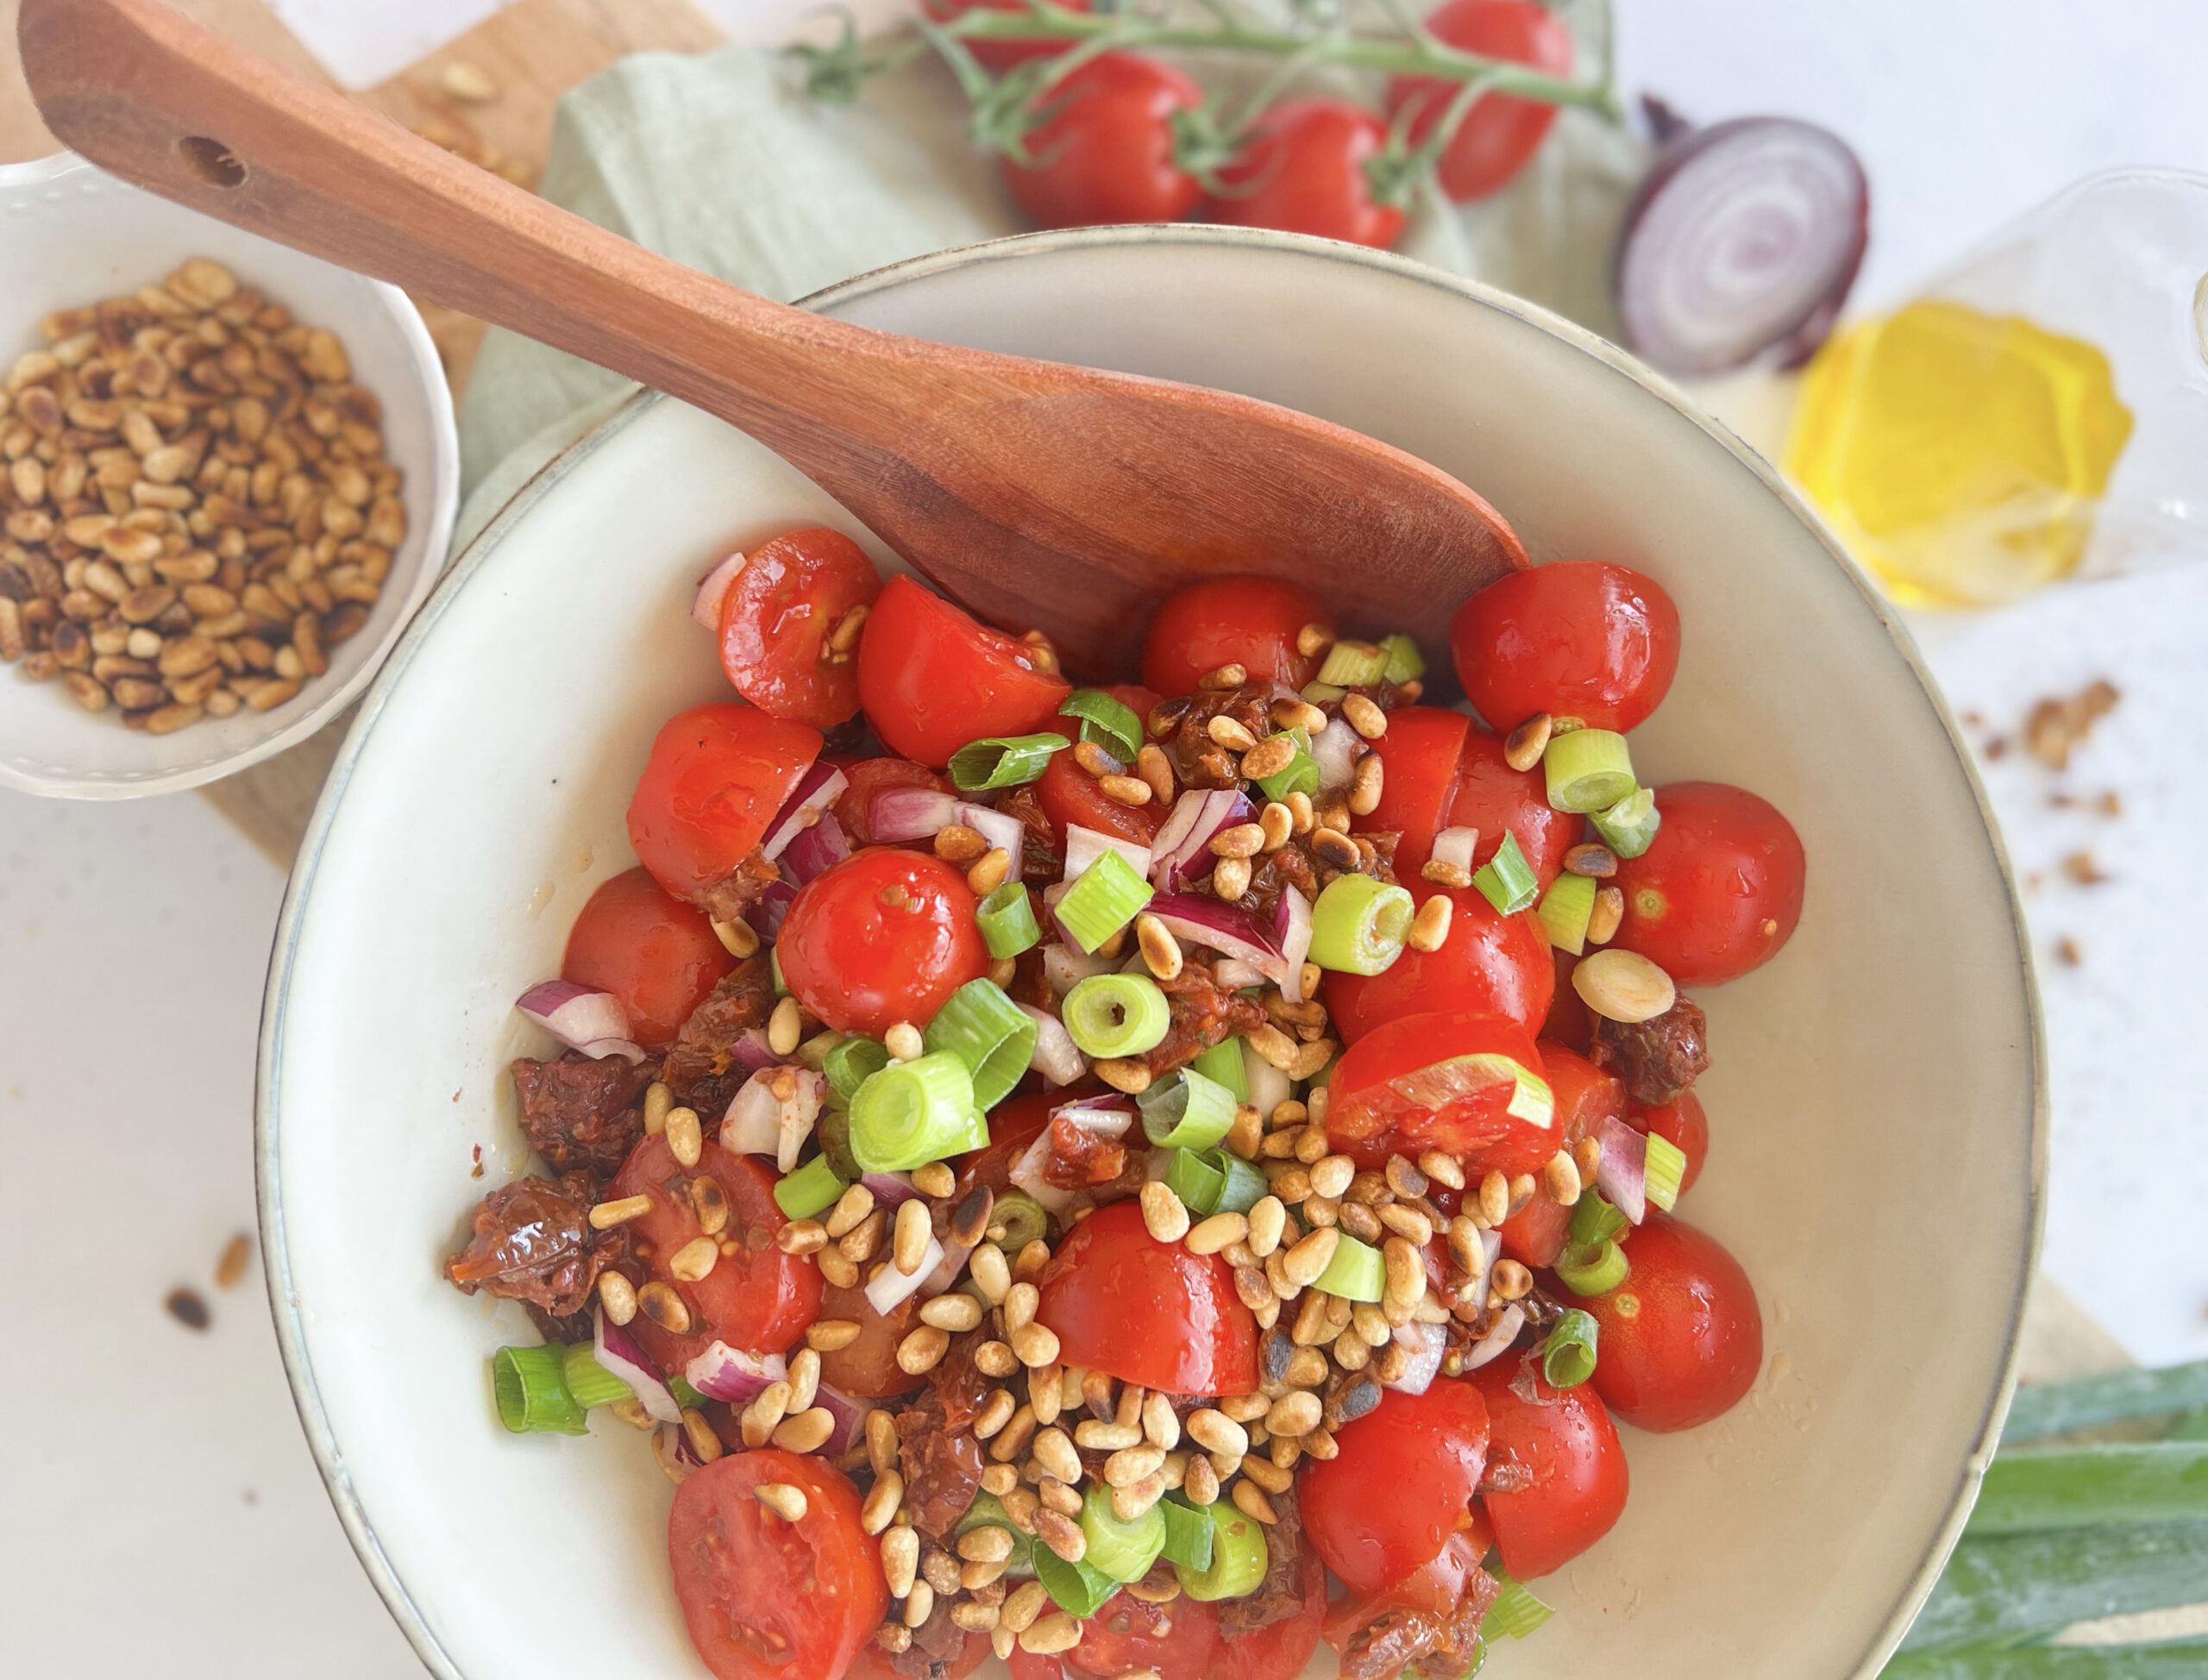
909,1245
785,1026
955,1312
1371,779
1443,1169
1269,757
658,1102
922,1350
1230,878
1056,1632
739,938
1126,790
904,1043
881,1502
617,1296
807,1431
1523,748
900,1560
664,1307
990,1272
1243,840
1162,1214
955,843
695,1260
804,1379
987,875
605,1215
1294,1413
1494,1199
686,1138
850,1210
1561,1178
1034,1345
1445,874
1592,859
1219,1231
1362,716
1230,734
830,1335
801,1237
1020,1304
1430,927
785,1500
1301,1264
1250,1500
934,1179
1226,676
1160,951
699,1433
1331,1176
1406,1270
1602,921
1268,1219
1126,1074
1154,768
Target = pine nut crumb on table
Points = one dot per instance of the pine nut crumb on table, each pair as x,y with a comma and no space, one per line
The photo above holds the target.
1076,1169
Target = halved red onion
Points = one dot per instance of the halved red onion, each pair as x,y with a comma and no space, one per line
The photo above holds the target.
1181,852
766,912
819,789
1056,1057
576,1015
1498,1339
712,590
1333,749
614,1348
1085,846
890,1190
1065,967
910,813
850,1419
1623,1177
889,1288
1456,846
1425,1342
816,849
1744,239
1003,830
732,1375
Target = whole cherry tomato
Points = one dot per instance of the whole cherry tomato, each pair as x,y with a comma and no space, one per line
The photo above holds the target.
656,954
1176,1642
1719,891
1685,1123
1577,639
1419,757
931,678
717,777
764,1596
1561,1441
1495,798
1311,165
1401,1484
1147,1312
867,776
1247,621
1489,964
1105,148
1682,1337
1279,1650
1441,1080
1501,133
1000,55
1073,798
883,936
1585,1097
781,619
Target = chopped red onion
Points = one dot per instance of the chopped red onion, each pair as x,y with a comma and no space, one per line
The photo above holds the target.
1182,853
948,1271
1085,846
599,1049
1056,1057
890,1190
1003,830
577,1015
1064,967
733,1376
766,912
614,1348
1623,1176
1269,1086
752,1051
1027,1174
889,1288
1292,928
850,1419
671,1446
816,849
712,590
1235,930
758,1122
1455,846
819,788
910,813
1333,749
1498,1339
1425,1342
1475,1288
1231,974
1107,1117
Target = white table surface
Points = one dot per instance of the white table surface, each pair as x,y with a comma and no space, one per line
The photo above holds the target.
162,1514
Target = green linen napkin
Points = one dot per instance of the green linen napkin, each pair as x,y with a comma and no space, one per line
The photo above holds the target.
722,162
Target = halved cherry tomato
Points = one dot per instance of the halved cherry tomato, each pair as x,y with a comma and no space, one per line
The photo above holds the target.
1719,891
1147,1312
1686,1124
873,1663
1489,964
1501,133
1384,1098
1569,1022
1577,639
1682,1337
1247,621
1562,1439
1308,167
933,677
756,1297
1279,1650
867,1367
1419,757
1437,1588
1071,796
1585,1096
656,954
1494,798
1127,1635
1401,1484
778,617
1000,55
869,776
883,936
717,777
764,1597
1105,148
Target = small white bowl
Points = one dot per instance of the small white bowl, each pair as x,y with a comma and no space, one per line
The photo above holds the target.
69,234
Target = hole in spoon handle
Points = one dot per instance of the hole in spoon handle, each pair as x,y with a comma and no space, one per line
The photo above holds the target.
209,162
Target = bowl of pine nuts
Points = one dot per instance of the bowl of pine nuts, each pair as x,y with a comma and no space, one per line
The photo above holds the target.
228,475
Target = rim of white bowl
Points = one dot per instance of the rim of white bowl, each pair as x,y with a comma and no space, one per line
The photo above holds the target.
424,371
267,1137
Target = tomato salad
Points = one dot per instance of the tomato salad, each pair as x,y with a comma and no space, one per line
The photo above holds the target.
1074,1171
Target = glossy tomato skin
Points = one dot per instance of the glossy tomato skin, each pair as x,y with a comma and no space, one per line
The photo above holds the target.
1719,891
867,776
1451,1579
1682,1337
1501,133
1419,757
1368,1121
1489,964
1585,1097
1577,639
1306,168
1279,1650
883,936
1247,621
1104,151
1495,798
873,1663
777,619
755,1298
765,1598
1568,1021
656,954
1073,798
1683,1123
716,776
1401,1484
1177,1640
1147,1312
999,55
866,1368
1564,1440
933,677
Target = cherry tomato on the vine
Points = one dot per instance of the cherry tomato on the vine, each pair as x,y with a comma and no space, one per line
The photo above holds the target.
1563,1442
1719,891
1577,639
717,777
656,954
1000,55
1309,168
779,620
1247,621
1682,1337
1104,151
883,936
933,677
1501,133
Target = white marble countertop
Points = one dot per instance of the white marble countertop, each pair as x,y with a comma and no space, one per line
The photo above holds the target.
163,1515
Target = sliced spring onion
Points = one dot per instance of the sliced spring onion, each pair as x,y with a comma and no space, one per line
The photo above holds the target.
1113,1015
988,1512
848,1064
1322,693
1588,770
1358,925
1188,1533
811,1190
1566,908
1124,1551
1516,1612
1440,1083
1211,1181
1592,1272
590,1383
1569,1358
1079,1590
1223,1062
1356,1272
1300,776
1238,1559
1021,1218
1506,880
1352,664
1662,1172
1628,828
685,1395
988,1031
1405,662
1109,894
1184,1110
1111,724
1594,1220
530,1387
1003,761
1008,920
912,1112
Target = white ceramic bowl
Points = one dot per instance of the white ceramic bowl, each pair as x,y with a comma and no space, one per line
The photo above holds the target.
1876,1101
69,234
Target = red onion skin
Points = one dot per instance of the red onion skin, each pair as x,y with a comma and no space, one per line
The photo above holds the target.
816,848
721,1373
1624,1177
577,1016
1187,856
898,814
617,1349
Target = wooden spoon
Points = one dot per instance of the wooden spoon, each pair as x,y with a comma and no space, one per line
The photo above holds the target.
1060,499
